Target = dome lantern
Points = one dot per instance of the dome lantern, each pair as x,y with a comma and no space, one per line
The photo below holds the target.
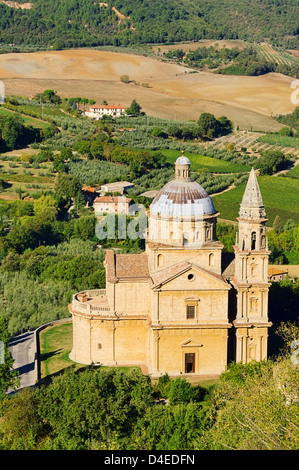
182,168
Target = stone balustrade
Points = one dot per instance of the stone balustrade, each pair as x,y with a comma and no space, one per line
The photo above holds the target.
91,302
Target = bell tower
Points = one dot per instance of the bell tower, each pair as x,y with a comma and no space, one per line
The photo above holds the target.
251,276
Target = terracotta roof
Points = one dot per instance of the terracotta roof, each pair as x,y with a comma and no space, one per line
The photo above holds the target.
103,106
110,265
113,199
90,189
272,271
126,266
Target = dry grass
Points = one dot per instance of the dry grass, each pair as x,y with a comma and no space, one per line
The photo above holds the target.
173,91
295,53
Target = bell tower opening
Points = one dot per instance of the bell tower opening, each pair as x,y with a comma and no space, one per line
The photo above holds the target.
253,240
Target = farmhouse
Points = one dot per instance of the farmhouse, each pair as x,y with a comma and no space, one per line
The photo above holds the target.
97,111
112,205
181,307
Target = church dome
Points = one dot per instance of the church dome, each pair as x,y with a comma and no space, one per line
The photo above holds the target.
182,196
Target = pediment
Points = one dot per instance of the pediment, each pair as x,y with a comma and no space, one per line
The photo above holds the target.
188,276
190,343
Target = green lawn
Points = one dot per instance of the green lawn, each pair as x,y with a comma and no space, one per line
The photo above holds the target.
280,196
206,164
56,344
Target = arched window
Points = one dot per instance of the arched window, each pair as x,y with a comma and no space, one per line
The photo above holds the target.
253,240
211,259
160,260
185,238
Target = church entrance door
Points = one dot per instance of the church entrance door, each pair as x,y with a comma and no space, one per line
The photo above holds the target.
189,363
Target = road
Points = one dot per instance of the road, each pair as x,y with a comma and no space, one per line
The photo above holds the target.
22,349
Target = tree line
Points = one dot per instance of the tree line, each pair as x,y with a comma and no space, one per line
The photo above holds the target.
69,24
250,407
231,61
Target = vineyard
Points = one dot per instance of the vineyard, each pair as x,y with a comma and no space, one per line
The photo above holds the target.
273,54
255,142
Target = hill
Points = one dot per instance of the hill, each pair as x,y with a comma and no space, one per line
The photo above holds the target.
172,91
73,23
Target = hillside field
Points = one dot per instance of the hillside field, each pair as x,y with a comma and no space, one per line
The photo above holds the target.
162,89
280,196
203,163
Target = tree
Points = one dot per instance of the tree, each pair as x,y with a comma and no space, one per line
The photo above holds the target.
66,154
22,427
271,161
277,225
134,109
226,126
67,186
79,201
49,96
96,149
12,129
207,126
48,132
257,408
8,376
125,79
83,148
45,207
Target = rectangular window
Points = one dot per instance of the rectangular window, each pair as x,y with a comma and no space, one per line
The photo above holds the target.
190,312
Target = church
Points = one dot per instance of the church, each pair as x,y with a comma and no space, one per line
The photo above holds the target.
183,306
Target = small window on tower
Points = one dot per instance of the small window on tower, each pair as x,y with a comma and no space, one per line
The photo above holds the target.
253,240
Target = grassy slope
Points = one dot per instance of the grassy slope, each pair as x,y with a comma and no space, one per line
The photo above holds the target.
56,344
280,196
28,121
206,164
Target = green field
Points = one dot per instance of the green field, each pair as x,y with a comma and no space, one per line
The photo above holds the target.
280,196
28,121
206,164
294,172
282,141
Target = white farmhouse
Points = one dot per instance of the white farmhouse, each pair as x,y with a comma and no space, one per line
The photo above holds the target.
97,111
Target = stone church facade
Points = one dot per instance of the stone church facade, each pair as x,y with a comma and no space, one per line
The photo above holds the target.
182,306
